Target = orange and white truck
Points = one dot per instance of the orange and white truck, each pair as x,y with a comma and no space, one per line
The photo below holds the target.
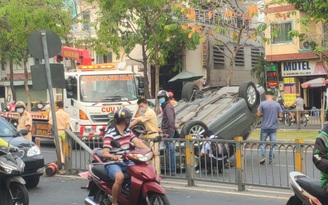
95,91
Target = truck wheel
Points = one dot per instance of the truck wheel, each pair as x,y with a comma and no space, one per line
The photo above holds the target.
248,91
194,128
188,91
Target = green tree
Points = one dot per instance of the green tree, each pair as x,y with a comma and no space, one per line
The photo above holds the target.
228,25
150,24
258,71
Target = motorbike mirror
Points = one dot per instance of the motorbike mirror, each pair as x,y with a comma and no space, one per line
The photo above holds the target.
157,139
23,132
140,131
115,144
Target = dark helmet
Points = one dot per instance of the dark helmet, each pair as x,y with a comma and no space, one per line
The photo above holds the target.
122,115
208,133
163,93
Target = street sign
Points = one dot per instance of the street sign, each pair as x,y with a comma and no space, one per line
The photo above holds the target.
39,78
35,44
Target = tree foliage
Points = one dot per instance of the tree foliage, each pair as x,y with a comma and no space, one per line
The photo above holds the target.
152,25
258,71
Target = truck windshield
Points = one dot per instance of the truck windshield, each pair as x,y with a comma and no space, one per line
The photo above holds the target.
97,88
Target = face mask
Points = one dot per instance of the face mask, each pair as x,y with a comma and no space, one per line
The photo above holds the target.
161,100
20,110
142,110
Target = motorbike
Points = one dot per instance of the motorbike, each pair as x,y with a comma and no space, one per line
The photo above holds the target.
12,185
140,178
287,118
307,191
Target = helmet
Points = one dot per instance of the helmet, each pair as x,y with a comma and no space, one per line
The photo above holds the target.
122,115
20,104
163,93
170,94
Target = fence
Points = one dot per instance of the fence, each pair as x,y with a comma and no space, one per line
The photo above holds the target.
236,161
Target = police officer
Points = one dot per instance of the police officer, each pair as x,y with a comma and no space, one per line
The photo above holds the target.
25,119
63,122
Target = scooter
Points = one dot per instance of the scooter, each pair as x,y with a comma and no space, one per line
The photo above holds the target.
307,191
140,178
12,185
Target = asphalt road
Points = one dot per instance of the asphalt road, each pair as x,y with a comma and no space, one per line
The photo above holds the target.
67,190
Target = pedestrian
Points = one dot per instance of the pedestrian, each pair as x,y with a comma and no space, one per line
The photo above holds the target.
172,100
123,135
320,156
63,122
149,118
168,127
270,111
299,106
25,119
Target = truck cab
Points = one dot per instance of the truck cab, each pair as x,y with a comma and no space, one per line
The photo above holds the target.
91,95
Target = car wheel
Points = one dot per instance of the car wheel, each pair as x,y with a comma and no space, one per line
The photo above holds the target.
194,128
248,91
188,91
32,182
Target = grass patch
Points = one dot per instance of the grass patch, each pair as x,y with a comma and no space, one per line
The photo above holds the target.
289,135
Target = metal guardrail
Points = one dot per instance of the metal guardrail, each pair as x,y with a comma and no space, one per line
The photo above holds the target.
314,118
241,166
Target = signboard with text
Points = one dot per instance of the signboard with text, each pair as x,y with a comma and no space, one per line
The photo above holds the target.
302,68
289,98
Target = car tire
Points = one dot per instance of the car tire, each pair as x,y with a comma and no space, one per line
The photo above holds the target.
194,127
188,90
248,91
32,182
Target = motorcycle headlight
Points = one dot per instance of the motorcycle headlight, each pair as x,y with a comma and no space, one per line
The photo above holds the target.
142,157
35,150
7,168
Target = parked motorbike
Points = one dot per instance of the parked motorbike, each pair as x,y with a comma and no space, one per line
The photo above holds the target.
307,191
141,178
12,185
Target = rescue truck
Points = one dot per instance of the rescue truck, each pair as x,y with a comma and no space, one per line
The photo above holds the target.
95,91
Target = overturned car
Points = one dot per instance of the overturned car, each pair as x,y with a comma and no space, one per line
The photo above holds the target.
229,112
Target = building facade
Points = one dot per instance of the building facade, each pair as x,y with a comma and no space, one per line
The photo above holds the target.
293,57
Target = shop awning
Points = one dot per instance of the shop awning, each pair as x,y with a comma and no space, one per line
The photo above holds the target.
315,83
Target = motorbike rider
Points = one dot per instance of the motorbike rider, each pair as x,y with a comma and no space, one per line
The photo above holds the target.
320,156
122,134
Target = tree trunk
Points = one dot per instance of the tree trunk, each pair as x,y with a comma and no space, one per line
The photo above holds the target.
231,69
12,87
157,66
28,95
145,65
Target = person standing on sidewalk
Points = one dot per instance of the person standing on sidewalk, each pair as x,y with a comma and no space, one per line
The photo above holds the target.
270,111
63,122
149,118
25,119
168,127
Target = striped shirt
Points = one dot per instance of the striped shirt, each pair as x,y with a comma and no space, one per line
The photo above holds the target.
125,141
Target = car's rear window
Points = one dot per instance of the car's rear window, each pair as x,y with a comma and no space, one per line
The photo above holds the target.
6,129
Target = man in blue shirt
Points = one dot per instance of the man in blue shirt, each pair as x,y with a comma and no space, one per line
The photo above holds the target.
269,110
